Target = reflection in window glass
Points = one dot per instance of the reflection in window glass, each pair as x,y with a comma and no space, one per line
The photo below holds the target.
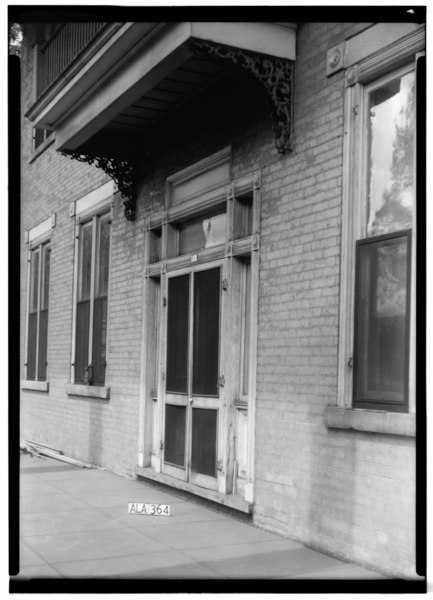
390,159
202,233
382,331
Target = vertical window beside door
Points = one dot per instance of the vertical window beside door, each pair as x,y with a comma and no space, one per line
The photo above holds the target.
92,297
38,313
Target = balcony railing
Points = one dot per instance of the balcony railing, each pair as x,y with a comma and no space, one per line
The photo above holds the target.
60,50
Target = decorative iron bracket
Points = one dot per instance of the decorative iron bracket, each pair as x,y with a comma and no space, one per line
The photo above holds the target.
120,171
274,74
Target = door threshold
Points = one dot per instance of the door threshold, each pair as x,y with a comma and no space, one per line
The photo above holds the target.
231,500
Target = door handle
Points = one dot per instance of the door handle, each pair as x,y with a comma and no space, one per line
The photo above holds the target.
191,400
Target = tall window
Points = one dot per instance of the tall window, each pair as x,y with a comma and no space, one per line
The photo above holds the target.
377,293
38,312
382,296
92,297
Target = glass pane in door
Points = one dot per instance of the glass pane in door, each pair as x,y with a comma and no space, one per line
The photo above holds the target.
203,451
174,439
177,334
206,332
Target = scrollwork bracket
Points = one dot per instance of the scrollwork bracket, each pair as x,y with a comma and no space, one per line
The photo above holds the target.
120,171
273,73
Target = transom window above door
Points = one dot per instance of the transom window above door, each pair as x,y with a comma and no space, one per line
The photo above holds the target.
223,222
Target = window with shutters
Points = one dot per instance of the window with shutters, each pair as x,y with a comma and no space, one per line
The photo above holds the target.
37,305
93,217
37,333
92,300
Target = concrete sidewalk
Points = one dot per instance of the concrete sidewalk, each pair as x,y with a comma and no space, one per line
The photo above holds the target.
74,523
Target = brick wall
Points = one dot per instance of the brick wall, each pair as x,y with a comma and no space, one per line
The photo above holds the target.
351,494
348,493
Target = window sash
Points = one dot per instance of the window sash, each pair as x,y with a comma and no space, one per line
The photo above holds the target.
382,322
392,178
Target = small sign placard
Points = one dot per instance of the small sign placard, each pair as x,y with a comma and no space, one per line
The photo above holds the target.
153,510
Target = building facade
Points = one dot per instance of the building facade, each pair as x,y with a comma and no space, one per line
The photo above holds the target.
218,261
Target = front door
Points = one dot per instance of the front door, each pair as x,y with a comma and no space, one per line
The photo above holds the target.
192,388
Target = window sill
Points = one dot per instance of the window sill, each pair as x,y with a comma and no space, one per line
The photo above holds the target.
371,421
88,391
40,386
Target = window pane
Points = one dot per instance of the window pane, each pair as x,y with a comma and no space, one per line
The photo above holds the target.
103,256
203,233
174,438
85,261
177,334
391,156
204,435
46,284
206,332
34,280
99,341
42,354
82,341
31,346
382,331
